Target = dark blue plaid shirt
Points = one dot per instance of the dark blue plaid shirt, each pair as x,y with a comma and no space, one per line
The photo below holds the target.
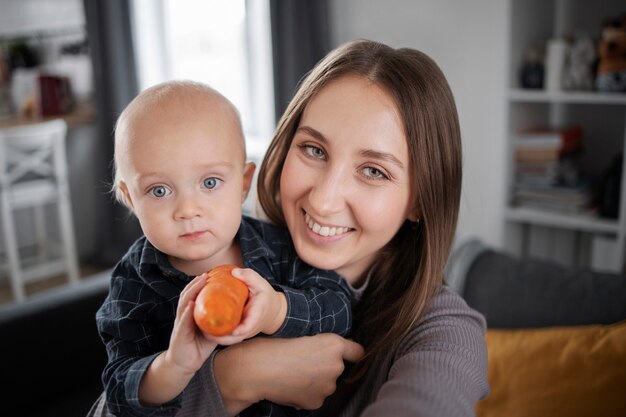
136,319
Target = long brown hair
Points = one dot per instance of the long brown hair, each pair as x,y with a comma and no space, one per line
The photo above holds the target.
408,271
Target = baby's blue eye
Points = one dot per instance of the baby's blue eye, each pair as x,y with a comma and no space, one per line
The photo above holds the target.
159,191
211,183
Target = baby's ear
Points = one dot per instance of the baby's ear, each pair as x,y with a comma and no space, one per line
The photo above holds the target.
122,195
248,174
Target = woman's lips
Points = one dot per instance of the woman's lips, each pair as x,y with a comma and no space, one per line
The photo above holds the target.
325,231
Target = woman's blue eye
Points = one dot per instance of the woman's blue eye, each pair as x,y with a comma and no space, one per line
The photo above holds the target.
314,151
159,191
211,183
374,173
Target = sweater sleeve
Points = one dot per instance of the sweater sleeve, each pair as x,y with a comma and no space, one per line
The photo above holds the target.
202,396
440,368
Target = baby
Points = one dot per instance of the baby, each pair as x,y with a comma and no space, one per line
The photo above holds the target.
180,167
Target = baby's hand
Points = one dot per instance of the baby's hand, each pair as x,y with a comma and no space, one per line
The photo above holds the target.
264,312
188,348
266,308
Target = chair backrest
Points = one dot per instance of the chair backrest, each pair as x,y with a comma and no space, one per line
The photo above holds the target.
32,152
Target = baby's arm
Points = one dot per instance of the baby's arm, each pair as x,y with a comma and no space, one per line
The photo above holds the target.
264,311
320,304
319,301
309,302
171,371
136,332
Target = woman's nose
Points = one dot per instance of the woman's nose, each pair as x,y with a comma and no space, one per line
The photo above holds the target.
328,192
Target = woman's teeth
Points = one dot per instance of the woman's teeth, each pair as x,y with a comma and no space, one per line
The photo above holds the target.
324,230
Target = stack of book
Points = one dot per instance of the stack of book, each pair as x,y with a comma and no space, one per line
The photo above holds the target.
546,175
563,199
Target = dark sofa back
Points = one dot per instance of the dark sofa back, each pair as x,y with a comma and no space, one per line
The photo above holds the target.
529,293
52,355
514,293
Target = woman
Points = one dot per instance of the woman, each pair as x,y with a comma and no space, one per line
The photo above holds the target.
365,172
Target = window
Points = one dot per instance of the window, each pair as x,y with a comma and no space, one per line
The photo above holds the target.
224,43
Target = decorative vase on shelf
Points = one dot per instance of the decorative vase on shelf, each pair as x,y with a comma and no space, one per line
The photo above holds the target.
555,61
532,73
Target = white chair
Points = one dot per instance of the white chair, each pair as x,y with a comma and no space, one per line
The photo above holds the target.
33,175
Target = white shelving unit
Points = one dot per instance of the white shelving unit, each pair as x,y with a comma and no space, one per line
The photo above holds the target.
574,239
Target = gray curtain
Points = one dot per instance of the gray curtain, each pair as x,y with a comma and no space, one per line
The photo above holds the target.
115,80
300,38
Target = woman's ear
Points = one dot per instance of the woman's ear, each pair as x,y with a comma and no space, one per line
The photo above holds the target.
414,214
248,174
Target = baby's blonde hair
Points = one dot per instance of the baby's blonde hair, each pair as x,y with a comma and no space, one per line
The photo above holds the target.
157,96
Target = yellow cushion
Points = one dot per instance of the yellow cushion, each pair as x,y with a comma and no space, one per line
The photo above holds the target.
557,371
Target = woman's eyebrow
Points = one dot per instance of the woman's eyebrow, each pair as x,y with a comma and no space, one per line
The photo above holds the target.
312,132
385,156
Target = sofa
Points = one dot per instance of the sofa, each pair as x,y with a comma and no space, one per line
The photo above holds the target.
52,355
556,336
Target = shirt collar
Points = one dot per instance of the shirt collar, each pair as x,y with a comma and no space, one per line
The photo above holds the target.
253,245
151,259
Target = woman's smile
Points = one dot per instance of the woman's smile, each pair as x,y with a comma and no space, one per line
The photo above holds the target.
322,230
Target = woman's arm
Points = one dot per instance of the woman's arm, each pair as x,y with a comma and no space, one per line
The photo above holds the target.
439,368
299,372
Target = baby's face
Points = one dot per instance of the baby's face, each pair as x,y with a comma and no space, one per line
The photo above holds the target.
186,179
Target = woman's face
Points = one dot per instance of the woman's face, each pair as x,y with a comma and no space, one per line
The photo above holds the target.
345,186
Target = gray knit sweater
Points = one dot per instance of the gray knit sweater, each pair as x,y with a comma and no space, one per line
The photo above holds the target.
439,369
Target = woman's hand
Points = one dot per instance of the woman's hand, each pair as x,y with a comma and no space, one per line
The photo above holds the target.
299,372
